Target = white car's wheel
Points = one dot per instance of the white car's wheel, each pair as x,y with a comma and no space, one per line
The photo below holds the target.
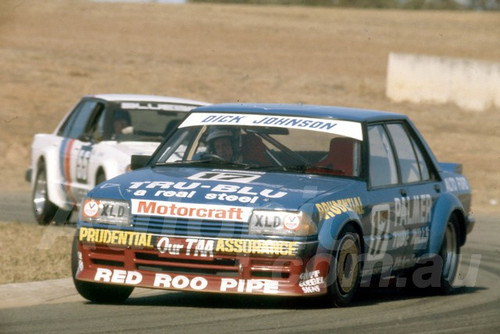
43,208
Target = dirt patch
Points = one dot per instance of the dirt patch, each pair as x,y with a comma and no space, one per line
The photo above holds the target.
53,52
34,253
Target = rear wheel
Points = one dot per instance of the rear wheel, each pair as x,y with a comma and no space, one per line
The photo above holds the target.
450,255
345,271
436,275
43,209
98,293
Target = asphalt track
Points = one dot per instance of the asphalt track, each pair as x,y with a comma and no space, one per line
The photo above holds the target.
54,306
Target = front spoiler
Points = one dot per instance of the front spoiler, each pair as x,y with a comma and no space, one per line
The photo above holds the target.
235,274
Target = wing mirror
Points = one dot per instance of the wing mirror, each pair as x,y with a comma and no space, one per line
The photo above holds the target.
139,161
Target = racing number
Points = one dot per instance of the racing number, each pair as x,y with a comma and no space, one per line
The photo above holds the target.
380,221
82,164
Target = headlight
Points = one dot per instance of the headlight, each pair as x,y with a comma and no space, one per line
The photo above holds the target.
281,223
105,211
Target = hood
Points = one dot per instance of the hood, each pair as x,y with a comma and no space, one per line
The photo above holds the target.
267,190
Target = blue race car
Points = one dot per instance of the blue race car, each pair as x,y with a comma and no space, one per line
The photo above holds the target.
273,199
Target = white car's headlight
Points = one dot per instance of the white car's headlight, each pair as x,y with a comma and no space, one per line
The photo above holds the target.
105,211
285,223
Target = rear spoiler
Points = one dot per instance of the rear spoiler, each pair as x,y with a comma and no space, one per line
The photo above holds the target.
451,167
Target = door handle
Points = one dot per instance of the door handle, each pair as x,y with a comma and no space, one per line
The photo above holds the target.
403,192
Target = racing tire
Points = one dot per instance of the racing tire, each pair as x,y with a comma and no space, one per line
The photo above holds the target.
449,255
43,209
97,293
345,271
438,276
101,177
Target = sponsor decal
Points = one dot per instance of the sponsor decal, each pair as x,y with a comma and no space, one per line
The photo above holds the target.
310,282
90,208
179,282
400,224
224,192
330,209
248,191
115,237
167,245
189,246
259,247
412,210
291,222
227,176
118,276
207,247
344,128
249,286
231,198
105,211
167,193
190,211
416,238
164,185
154,106
272,221
197,283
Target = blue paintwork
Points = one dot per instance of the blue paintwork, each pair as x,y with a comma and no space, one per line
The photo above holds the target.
305,192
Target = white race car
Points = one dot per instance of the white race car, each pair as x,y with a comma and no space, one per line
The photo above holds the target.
93,143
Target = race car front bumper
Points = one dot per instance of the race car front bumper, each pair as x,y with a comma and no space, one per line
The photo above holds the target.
205,265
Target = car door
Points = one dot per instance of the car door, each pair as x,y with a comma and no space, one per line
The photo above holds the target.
402,190
419,191
76,149
383,187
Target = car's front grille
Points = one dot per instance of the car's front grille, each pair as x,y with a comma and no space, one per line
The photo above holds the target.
190,228
219,266
223,265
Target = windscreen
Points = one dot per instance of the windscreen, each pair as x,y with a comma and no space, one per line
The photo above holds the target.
294,144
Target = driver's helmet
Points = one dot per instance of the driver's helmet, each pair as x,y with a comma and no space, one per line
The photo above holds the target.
221,132
122,114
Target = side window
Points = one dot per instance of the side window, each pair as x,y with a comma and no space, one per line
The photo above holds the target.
424,169
382,164
77,123
405,152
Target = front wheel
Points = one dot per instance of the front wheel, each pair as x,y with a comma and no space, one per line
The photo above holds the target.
345,271
98,293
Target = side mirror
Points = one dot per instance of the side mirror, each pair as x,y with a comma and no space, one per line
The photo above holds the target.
139,161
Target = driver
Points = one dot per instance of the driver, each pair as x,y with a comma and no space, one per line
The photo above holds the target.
222,143
121,123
